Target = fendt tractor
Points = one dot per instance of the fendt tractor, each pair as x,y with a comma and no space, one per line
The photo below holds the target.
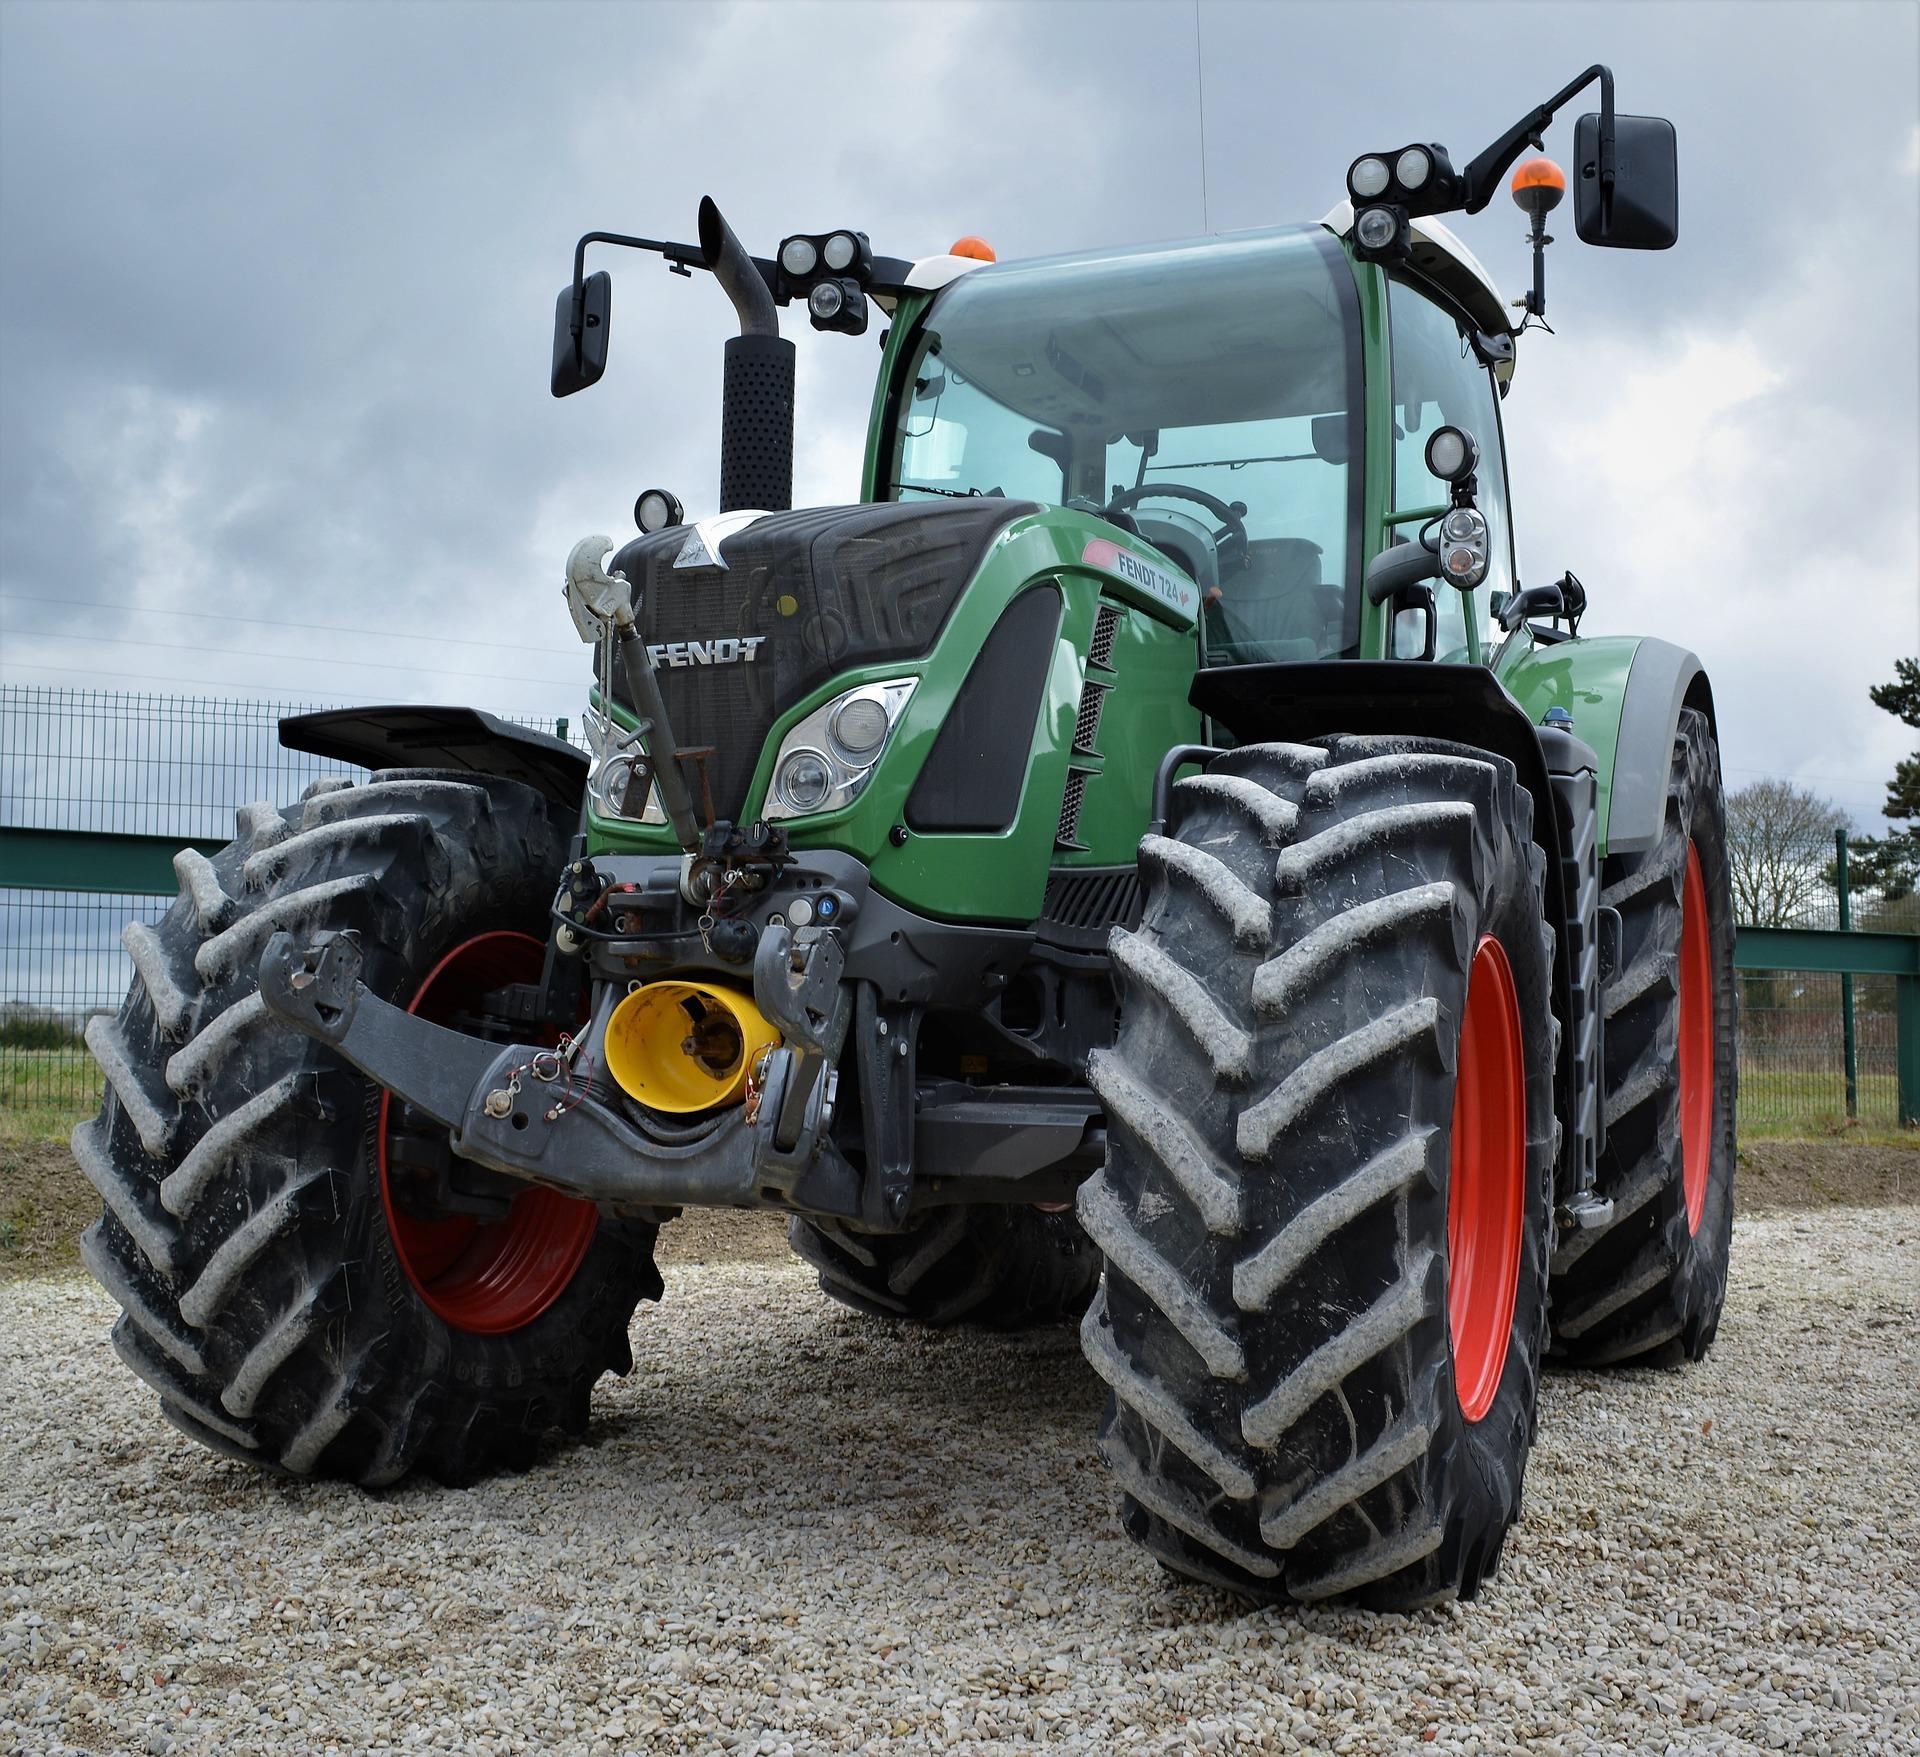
1149,862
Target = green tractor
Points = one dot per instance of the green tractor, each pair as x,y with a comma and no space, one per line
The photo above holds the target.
1149,863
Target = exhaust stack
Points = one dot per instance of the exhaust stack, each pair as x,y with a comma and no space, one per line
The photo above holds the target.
756,408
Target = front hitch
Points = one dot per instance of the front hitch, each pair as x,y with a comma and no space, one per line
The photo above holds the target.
520,1109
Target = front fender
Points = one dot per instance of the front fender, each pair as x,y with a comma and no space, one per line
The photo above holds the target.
1625,693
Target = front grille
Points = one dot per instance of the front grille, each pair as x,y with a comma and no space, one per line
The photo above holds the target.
1086,726
1106,627
826,589
1068,835
1081,907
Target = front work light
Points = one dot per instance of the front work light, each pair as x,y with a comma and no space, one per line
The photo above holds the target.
1413,167
839,251
1452,454
1367,178
1376,228
799,256
657,510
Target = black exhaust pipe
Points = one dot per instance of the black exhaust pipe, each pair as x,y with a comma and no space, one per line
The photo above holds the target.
756,398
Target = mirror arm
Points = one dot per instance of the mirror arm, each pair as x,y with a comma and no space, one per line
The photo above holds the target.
681,258
1393,570
1482,177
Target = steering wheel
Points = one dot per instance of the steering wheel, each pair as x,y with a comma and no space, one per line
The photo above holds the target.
1230,541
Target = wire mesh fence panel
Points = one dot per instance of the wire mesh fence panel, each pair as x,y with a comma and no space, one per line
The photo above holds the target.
62,964
1793,1077
108,764
142,765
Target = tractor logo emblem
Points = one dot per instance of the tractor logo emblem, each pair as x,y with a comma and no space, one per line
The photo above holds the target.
1106,555
730,650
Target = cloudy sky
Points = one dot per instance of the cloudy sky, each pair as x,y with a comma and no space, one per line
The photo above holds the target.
276,286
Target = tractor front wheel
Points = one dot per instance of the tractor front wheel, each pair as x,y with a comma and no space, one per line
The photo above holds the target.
307,1280
1327,1199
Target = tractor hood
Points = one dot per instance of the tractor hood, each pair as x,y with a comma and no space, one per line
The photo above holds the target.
743,625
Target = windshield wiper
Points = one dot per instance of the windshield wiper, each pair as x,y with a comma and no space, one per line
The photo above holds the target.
1291,457
952,493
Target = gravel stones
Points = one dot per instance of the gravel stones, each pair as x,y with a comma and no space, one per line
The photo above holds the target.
798,1530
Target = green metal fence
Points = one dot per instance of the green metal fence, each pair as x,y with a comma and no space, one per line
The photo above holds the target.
99,790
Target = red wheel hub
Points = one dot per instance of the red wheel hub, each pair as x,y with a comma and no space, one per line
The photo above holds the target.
1696,1041
486,1277
1486,1183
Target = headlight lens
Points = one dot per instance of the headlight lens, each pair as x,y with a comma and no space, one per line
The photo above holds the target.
1413,167
1368,178
804,780
858,726
1375,227
826,761
798,256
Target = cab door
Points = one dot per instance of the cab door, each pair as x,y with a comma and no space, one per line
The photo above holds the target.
1439,381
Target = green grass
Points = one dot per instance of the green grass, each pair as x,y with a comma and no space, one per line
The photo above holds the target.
1812,1106
43,1093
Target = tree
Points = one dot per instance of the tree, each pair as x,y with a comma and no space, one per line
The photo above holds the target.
1888,867
1780,853
1901,698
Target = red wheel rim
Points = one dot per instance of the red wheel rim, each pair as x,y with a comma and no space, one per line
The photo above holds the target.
1486,1182
487,1277
1696,1042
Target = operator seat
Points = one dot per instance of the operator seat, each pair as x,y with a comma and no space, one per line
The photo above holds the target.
1274,609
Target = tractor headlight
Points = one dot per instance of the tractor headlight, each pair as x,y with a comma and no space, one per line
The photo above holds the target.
803,781
1413,167
620,782
1367,178
1463,547
1376,227
826,761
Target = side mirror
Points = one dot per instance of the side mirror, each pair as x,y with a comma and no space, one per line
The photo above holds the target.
579,362
1643,210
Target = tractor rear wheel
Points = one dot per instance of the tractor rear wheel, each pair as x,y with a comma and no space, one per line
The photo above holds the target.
306,1280
1652,1281
1011,1268
1327,1199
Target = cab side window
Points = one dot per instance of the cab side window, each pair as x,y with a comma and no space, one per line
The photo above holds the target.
1438,382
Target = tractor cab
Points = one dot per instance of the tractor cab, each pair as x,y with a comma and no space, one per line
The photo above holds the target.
1202,395
1212,397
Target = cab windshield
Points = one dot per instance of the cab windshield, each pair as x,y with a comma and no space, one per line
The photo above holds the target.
1206,391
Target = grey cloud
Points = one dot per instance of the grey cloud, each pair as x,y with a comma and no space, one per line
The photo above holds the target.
275,281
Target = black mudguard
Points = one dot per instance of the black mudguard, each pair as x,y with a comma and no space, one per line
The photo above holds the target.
466,739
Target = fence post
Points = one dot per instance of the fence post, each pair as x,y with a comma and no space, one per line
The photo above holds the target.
1906,1015
1849,1049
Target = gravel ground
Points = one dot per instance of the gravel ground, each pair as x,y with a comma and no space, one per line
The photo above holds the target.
796,1530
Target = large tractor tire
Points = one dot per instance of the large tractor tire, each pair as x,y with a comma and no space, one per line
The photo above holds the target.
1651,1283
301,1283
1002,1268
1326,1208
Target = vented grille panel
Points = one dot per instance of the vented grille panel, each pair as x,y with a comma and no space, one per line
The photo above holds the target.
1106,626
1089,903
1070,803
1086,728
